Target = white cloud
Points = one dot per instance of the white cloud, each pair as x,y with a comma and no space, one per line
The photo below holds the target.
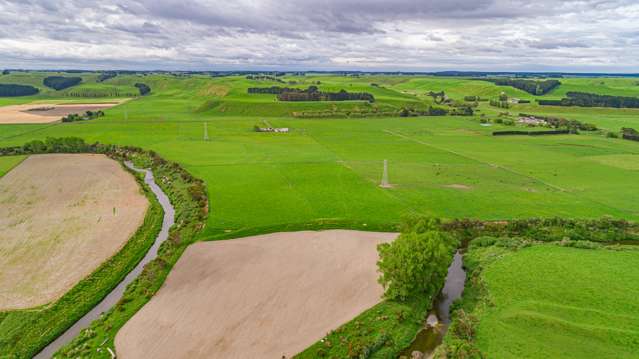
586,35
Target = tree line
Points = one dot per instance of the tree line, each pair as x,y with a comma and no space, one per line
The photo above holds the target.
263,78
584,99
533,87
13,90
312,93
60,82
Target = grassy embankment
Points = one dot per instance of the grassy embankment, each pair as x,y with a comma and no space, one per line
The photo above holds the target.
566,299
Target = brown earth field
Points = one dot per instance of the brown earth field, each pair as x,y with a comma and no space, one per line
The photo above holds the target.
62,215
265,296
46,112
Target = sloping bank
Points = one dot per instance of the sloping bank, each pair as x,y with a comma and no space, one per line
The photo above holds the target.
25,333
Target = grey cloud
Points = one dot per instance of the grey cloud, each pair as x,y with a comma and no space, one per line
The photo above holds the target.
379,34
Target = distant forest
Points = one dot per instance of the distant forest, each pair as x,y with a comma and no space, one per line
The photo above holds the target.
583,99
533,87
312,93
12,90
61,82
106,75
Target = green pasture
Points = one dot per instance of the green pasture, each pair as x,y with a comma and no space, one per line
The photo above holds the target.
329,170
559,302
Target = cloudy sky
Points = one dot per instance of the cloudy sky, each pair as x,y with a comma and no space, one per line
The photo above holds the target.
426,35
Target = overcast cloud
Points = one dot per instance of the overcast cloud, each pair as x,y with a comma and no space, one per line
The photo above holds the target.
427,35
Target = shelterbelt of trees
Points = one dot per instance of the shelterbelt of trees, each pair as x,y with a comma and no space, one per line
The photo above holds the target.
533,87
584,99
312,93
12,90
61,82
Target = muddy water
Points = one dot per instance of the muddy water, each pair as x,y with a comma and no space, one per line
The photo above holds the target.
115,295
439,318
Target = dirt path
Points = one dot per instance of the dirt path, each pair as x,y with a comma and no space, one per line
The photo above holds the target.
257,297
62,216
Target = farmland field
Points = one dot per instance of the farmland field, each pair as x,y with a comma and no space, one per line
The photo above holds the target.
62,216
294,287
550,301
326,171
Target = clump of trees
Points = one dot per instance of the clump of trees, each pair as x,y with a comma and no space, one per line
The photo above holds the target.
438,97
6,72
499,103
462,110
60,82
533,87
584,99
106,75
13,90
473,99
264,78
628,133
143,88
89,115
430,111
416,263
557,122
312,93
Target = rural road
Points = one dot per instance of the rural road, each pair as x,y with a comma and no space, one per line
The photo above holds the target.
115,295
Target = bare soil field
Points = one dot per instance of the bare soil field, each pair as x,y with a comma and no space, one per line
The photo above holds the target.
265,296
62,215
46,112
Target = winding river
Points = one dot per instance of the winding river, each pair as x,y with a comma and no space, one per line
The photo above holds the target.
112,298
439,318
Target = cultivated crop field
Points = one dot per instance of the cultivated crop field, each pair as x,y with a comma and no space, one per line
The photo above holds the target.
292,288
325,172
62,216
